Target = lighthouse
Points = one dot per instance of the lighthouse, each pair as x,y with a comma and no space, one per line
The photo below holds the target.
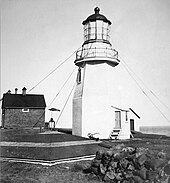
92,111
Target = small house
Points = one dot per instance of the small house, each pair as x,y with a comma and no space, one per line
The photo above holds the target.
22,110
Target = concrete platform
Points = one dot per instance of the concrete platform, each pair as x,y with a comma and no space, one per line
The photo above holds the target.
46,146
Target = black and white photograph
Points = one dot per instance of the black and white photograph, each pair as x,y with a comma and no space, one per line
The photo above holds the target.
85,91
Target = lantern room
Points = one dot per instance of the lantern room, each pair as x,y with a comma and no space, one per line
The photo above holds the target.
96,27
96,48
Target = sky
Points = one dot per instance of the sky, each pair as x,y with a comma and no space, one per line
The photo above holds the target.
38,35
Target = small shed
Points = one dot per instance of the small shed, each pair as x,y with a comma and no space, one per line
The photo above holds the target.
124,123
22,110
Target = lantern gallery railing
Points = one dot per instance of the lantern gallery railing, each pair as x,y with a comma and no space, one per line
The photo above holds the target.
96,52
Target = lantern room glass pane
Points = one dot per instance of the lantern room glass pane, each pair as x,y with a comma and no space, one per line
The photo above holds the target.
104,37
92,36
106,30
108,33
99,23
92,24
96,30
92,30
99,28
105,25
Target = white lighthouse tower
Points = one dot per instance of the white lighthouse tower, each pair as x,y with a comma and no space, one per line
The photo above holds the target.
92,111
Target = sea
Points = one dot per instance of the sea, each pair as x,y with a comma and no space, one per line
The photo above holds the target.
161,130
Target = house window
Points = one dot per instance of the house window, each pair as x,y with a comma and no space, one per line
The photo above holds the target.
25,110
126,116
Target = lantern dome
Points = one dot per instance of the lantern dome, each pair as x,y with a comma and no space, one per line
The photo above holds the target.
96,16
96,28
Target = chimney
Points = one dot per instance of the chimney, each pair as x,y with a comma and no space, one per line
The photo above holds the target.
9,92
16,89
24,91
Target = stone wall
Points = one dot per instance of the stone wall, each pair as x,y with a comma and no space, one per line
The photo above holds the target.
131,165
15,118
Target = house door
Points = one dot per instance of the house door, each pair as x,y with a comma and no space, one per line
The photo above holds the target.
117,119
132,127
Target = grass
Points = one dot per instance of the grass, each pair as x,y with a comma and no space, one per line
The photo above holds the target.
28,173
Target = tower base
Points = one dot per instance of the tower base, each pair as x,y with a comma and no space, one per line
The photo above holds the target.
92,112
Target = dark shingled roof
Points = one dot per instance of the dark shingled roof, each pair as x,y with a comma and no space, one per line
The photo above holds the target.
23,101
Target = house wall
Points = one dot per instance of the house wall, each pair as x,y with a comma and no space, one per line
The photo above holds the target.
125,126
16,118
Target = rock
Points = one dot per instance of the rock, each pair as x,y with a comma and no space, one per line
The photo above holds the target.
167,180
117,156
99,154
102,169
110,175
113,165
130,165
150,152
120,155
136,165
162,155
131,157
95,162
141,173
151,175
155,163
167,169
110,153
138,154
126,181
150,163
141,159
137,179
127,174
106,158
95,170
124,163
118,177
160,162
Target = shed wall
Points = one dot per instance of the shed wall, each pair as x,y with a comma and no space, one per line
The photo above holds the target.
17,118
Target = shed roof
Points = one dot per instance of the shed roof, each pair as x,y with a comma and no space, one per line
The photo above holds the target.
23,101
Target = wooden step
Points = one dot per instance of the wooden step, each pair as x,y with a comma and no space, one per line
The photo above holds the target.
114,134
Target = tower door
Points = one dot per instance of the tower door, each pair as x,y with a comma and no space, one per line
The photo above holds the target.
117,119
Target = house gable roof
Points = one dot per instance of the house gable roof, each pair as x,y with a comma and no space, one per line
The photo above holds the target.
134,112
123,110
23,101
